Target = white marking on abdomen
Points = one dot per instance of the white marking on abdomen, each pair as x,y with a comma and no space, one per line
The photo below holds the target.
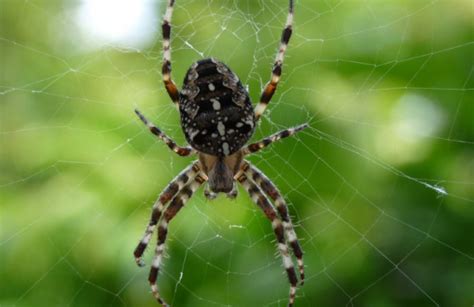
221,128
216,105
193,133
249,122
225,148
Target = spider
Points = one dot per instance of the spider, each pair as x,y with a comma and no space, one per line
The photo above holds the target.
218,119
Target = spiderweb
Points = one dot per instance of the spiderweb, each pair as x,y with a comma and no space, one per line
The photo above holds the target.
380,186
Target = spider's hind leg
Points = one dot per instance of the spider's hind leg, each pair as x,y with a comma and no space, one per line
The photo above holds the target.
170,86
271,86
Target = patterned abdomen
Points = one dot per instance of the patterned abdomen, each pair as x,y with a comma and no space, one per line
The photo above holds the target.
217,116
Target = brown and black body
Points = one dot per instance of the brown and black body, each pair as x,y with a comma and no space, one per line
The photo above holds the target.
217,118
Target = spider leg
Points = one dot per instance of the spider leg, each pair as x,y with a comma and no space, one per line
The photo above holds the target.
272,191
176,204
271,86
254,147
182,151
189,173
262,201
166,68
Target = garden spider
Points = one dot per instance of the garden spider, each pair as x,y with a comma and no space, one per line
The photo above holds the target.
218,119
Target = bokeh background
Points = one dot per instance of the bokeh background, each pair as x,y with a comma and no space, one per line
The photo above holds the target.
381,186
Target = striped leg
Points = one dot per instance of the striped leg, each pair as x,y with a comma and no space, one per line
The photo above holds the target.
166,68
271,86
176,204
254,147
170,191
261,200
272,191
182,151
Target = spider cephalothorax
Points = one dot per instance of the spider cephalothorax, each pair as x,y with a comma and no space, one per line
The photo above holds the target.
218,119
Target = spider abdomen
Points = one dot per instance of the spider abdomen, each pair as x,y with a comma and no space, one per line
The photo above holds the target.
217,116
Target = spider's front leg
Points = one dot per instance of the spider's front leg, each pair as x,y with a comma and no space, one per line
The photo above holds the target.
261,200
169,192
176,204
272,191
182,151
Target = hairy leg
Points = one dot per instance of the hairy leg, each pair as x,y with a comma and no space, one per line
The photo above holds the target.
166,68
182,151
261,200
271,86
168,193
272,191
176,204
257,146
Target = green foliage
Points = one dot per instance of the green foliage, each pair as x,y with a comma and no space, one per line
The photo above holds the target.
380,186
